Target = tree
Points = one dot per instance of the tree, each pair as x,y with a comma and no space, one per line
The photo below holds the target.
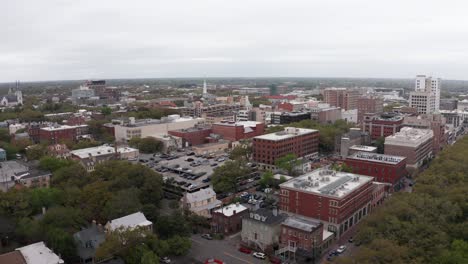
62,243
380,144
179,245
121,242
242,151
225,177
53,164
123,203
69,176
146,145
288,163
36,152
45,197
267,179
105,110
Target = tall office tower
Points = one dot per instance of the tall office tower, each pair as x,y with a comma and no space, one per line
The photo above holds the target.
426,95
341,97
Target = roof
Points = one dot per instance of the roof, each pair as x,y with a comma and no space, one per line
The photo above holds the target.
89,240
267,216
231,209
324,182
38,253
363,148
307,225
130,221
201,195
61,127
14,257
379,158
289,132
100,150
409,136
11,168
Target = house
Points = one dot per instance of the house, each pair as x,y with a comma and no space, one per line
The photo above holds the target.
91,157
87,241
228,219
60,151
262,229
201,202
37,253
14,172
129,222
3,155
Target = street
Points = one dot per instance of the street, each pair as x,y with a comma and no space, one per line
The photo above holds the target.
225,250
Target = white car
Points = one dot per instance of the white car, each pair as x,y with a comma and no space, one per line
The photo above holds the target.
165,260
341,249
259,255
267,190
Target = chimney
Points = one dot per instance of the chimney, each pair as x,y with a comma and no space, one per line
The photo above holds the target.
234,212
93,223
43,210
275,211
100,228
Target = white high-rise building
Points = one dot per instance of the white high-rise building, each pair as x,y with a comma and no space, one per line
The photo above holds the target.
426,95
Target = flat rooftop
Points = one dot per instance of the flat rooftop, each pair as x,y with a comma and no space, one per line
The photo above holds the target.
409,136
240,123
327,183
39,253
100,150
61,127
289,132
231,209
363,148
380,158
303,224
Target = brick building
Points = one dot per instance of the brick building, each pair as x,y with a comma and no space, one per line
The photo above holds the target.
341,97
192,136
338,199
58,134
382,125
299,141
435,122
369,105
413,143
235,131
302,237
228,219
384,168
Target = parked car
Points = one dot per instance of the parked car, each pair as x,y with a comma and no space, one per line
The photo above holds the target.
259,255
207,236
245,250
165,260
267,190
351,240
275,260
214,164
189,160
208,179
341,249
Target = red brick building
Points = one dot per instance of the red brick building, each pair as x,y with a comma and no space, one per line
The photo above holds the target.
369,105
228,219
303,234
384,168
192,136
338,199
382,125
58,134
299,141
341,97
235,131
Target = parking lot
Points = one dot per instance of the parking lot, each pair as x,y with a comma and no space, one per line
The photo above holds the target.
186,171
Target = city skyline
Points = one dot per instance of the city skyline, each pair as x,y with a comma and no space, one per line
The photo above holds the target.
69,40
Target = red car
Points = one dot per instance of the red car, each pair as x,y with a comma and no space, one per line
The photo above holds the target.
275,260
245,250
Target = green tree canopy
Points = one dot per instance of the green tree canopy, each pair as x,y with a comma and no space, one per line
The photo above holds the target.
288,163
226,177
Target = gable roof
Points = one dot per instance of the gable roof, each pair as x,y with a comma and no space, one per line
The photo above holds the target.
13,257
38,253
137,219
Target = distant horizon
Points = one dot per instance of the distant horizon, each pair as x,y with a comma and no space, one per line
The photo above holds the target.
226,77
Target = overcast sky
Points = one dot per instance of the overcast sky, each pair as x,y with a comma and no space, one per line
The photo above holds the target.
84,39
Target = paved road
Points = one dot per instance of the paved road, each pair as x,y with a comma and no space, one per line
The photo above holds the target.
225,250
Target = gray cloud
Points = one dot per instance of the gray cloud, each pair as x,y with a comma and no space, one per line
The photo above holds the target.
65,39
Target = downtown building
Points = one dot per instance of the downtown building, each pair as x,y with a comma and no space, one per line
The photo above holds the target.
299,141
426,95
281,118
338,199
384,168
382,125
413,143
435,122
344,98
368,105
55,134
